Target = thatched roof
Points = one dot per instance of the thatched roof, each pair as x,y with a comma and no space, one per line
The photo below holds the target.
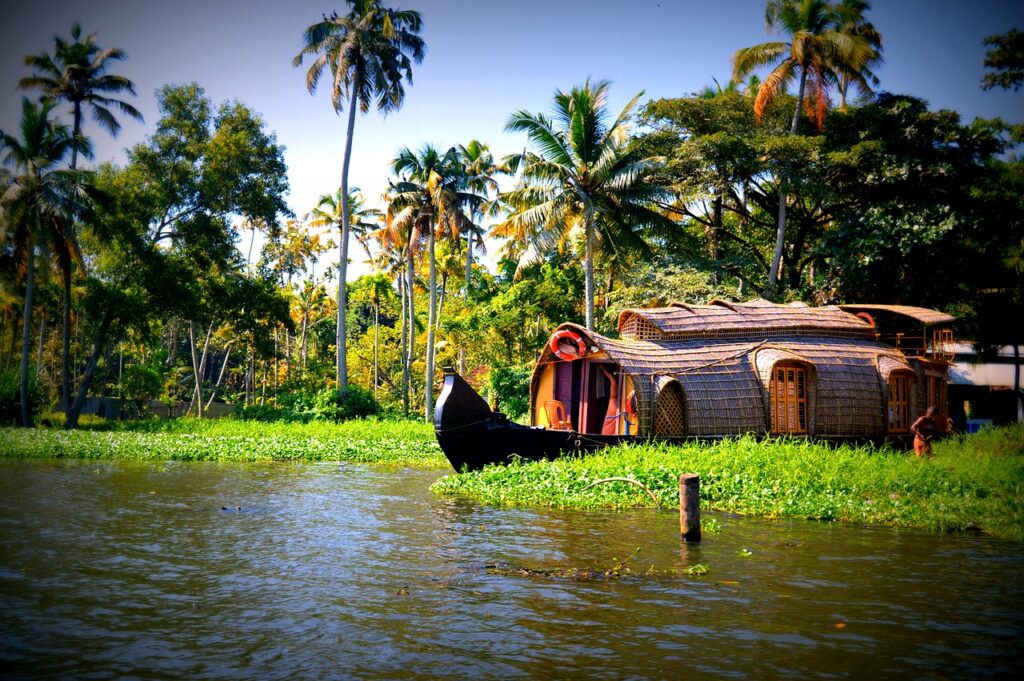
920,314
725,380
757,318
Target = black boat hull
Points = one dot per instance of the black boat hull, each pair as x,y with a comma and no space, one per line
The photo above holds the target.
472,435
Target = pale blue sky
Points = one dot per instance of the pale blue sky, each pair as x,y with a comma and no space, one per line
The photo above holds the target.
485,60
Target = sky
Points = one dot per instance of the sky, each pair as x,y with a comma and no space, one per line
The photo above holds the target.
485,59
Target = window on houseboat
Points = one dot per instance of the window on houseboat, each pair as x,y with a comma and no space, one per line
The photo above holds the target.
789,399
899,403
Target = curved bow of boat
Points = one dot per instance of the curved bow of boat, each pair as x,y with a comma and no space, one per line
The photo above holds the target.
473,435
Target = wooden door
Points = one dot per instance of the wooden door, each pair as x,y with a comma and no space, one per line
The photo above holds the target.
789,399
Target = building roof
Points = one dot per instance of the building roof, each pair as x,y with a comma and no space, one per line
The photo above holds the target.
724,378
756,318
921,314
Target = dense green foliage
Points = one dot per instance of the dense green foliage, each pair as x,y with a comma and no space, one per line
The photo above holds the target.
972,483
352,402
729,193
511,389
10,396
393,442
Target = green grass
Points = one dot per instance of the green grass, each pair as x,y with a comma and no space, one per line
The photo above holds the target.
408,443
972,483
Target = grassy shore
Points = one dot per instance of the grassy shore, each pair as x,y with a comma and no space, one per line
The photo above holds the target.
972,483
406,443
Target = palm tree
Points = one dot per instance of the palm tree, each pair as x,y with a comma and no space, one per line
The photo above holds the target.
816,52
77,74
395,258
581,177
368,52
852,22
427,201
479,171
332,211
35,204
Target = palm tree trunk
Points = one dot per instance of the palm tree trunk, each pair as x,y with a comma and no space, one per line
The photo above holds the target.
342,363
589,271
39,349
65,341
440,301
405,352
376,344
65,362
26,339
410,293
780,233
428,389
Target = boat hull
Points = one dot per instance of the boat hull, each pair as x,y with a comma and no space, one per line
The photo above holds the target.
472,435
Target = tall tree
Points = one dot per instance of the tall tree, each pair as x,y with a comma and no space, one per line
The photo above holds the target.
368,52
479,173
814,55
427,201
35,205
580,176
852,22
77,73
170,212
1005,58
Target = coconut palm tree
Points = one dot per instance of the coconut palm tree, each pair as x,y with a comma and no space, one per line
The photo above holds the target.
479,172
852,22
368,53
35,204
348,217
77,73
395,258
427,201
817,51
580,177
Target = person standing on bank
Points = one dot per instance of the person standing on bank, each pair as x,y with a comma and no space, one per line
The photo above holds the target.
924,432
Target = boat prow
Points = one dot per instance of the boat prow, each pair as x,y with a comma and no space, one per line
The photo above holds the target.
473,435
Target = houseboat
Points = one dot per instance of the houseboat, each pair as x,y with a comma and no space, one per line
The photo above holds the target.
848,372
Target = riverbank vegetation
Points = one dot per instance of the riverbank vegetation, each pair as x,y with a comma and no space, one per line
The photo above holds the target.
973,483
142,280
397,442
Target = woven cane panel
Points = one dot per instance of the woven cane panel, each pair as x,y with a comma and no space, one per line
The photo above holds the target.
638,328
669,412
725,393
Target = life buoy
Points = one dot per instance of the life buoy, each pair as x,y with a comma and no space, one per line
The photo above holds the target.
568,345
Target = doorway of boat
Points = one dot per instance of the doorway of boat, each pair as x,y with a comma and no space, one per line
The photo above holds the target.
601,412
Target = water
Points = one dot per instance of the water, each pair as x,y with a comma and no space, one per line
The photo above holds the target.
134,570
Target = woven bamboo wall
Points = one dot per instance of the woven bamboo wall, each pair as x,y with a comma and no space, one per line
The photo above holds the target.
726,383
669,416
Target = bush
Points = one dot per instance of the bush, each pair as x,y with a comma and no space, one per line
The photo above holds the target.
341,405
10,396
303,407
265,413
511,389
141,384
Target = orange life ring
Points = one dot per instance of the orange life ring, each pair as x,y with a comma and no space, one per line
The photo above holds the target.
562,345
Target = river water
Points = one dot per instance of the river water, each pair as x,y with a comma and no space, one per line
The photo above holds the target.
135,570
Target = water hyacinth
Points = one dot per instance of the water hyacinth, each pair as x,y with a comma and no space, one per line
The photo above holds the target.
972,483
393,442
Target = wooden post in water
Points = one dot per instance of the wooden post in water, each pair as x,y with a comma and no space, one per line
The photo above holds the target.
689,507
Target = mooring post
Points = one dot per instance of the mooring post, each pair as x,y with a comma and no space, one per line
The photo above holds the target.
689,507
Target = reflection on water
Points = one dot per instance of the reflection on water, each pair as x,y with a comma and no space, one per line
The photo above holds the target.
330,571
